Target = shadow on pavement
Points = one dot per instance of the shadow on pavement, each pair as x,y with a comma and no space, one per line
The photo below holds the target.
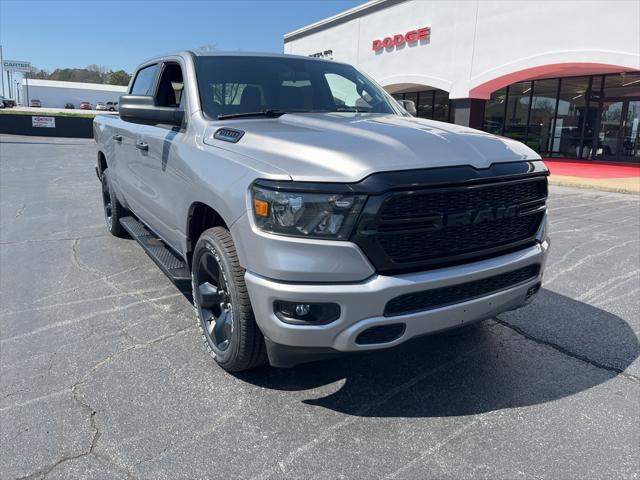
474,370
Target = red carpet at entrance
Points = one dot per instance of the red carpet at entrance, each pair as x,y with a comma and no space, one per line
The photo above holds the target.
596,170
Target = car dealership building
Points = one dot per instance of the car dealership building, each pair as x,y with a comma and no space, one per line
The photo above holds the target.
561,76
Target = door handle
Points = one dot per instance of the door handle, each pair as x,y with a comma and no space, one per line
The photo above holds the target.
117,138
142,146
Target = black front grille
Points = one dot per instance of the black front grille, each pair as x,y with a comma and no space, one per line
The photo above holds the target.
419,203
409,246
421,229
462,292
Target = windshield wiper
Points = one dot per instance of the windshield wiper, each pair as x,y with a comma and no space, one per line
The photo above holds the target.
269,113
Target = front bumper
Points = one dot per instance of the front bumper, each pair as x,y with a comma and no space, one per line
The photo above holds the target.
363,303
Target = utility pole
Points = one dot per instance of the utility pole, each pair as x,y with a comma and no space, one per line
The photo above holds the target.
1,70
9,83
26,84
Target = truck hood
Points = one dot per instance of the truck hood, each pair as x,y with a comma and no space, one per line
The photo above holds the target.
347,147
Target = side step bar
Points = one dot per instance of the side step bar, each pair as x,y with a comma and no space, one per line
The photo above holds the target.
170,263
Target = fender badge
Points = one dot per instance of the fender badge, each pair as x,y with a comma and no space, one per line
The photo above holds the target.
228,134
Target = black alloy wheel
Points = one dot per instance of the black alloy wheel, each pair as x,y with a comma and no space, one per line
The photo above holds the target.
113,209
214,301
228,326
107,205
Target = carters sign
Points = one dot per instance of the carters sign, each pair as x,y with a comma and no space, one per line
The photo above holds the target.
399,39
16,66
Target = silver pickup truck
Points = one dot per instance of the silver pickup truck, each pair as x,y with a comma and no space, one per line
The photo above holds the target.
309,214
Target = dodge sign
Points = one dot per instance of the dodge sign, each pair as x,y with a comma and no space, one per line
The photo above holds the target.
399,39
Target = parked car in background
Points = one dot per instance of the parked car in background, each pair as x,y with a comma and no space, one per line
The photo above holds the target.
69,105
112,106
86,106
101,106
7,102
35,103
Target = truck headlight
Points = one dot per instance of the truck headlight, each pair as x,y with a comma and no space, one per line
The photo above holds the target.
303,214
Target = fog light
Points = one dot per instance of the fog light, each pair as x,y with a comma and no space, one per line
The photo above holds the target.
306,313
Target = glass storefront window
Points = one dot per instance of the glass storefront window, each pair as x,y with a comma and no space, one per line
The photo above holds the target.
441,106
425,104
622,85
494,112
543,110
515,125
592,117
431,104
567,131
610,120
596,88
413,96
631,133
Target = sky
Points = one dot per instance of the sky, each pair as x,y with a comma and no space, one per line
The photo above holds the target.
119,34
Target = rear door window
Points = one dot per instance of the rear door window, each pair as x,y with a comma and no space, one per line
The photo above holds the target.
145,81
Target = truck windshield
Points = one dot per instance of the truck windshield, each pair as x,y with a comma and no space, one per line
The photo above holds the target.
233,85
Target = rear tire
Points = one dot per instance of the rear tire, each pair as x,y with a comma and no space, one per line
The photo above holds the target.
113,209
223,308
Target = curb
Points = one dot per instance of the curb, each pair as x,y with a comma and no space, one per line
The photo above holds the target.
584,183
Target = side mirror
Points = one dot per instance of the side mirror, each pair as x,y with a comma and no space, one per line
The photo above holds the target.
409,106
143,109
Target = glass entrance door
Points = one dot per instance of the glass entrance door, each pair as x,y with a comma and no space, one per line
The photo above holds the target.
630,133
609,130
618,137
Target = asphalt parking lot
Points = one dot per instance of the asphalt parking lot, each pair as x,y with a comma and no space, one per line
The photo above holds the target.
103,374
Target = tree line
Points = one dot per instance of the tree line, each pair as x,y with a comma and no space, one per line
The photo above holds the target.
90,74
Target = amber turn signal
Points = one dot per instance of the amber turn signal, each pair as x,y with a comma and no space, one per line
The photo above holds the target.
261,208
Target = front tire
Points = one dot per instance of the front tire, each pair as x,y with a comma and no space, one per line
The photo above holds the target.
220,297
113,209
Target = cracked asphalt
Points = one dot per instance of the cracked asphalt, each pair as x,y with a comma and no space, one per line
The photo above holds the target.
103,375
